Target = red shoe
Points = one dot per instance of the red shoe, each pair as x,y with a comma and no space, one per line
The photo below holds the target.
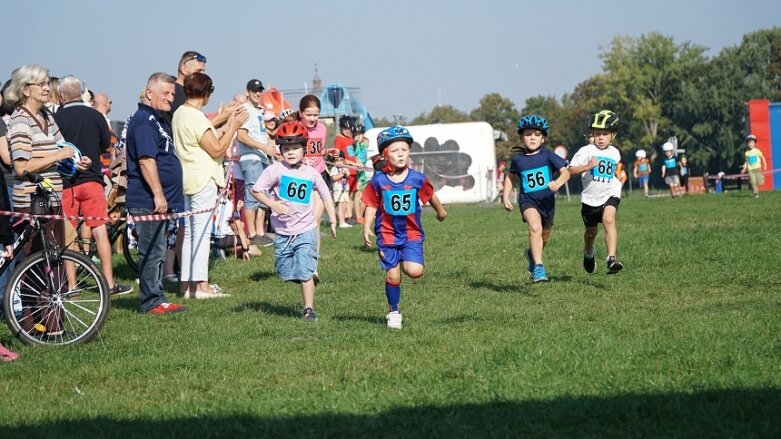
167,308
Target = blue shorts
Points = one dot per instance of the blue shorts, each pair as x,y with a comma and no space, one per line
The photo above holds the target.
252,170
642,180
295,257
390,257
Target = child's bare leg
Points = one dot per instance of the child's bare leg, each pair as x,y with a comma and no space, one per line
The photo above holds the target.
308,293
533,219
611,233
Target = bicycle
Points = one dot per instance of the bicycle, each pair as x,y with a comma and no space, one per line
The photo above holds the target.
55,296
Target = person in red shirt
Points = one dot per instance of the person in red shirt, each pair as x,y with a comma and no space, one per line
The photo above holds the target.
345,143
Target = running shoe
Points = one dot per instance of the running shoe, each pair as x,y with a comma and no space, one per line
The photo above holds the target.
393,320
589,264
539,274
613,266
529,259
309,315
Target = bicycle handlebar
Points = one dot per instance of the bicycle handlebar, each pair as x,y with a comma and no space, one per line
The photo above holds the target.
32,177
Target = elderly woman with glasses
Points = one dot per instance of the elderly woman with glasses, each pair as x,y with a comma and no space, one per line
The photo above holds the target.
200,151
33,138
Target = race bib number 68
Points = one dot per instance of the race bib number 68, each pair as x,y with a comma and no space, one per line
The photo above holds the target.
295,190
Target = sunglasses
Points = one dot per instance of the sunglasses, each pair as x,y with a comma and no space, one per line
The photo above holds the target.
198,57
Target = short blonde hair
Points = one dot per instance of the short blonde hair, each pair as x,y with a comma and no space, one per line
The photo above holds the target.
26,74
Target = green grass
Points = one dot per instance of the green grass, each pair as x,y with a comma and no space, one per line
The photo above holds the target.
686,341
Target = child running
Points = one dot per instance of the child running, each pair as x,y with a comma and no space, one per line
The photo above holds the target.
533,171
393,198
670,169
601,189
290,184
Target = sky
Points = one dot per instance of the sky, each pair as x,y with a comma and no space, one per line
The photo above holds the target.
405,56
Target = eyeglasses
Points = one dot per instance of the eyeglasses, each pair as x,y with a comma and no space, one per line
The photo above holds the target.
40,84
198,57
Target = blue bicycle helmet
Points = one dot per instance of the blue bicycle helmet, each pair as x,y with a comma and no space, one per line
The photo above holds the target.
67,167
391,134
534,122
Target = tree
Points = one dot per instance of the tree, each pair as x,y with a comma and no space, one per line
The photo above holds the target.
441,114
502,115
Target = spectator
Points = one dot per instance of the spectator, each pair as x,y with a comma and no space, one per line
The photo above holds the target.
361,156
54,95
255,149
684,162
103,105
154,187
33,135
7,176
345,142
201,153
83,193
340,189
6,239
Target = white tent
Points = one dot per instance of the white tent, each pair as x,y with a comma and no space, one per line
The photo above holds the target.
458,158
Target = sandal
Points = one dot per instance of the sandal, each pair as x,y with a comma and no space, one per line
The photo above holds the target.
7,355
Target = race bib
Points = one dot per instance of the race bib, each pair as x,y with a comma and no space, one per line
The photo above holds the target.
295,190
642,168
536,179
351,151
670,163
400,202
604,170
314,147
752,159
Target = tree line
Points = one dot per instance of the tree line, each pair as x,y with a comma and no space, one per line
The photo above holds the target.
660,89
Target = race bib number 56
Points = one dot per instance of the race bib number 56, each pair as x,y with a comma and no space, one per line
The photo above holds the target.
400,202
536,179
295,190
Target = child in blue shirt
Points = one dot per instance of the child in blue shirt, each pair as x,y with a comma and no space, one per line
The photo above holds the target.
534,169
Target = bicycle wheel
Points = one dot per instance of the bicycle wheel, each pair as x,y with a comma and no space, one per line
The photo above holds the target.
66,310
130,248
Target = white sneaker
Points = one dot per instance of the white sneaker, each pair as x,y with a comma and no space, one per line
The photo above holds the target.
202,295
394,320
344,226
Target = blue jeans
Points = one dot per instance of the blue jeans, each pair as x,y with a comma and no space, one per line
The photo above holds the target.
252,170
151,252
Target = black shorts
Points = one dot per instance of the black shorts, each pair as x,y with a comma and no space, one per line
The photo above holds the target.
592,215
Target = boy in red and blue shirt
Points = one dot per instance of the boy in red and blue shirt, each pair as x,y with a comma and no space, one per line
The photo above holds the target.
393,200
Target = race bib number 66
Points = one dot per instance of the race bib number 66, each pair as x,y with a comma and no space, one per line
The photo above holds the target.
295,190
400,202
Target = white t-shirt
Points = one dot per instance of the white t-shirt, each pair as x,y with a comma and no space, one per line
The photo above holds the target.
601,182
257,131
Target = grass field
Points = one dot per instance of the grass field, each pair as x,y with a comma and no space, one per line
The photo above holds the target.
685,342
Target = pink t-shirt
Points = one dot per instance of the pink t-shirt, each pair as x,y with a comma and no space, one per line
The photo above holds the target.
294,188
315,147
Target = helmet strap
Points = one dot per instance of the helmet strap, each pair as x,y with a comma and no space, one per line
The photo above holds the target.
389,168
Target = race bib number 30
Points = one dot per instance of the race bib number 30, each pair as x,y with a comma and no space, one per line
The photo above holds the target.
400,202
604,170
536,179
295,190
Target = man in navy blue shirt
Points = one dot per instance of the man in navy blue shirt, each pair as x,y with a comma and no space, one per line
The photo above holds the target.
154,186
83,193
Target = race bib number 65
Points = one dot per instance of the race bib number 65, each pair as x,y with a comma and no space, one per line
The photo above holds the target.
295,190
400,202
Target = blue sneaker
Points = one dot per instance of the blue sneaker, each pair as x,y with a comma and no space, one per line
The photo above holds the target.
529,259
539,274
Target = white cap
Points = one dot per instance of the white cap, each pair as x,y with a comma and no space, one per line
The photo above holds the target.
640,154
668,146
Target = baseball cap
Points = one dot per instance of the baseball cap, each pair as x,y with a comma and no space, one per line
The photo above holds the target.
255,85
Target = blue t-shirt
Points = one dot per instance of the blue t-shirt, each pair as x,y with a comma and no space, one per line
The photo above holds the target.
149,135
535,172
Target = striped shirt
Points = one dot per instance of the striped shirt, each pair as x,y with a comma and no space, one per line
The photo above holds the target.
29,140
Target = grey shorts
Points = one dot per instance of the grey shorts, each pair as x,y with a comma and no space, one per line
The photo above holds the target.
672,180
